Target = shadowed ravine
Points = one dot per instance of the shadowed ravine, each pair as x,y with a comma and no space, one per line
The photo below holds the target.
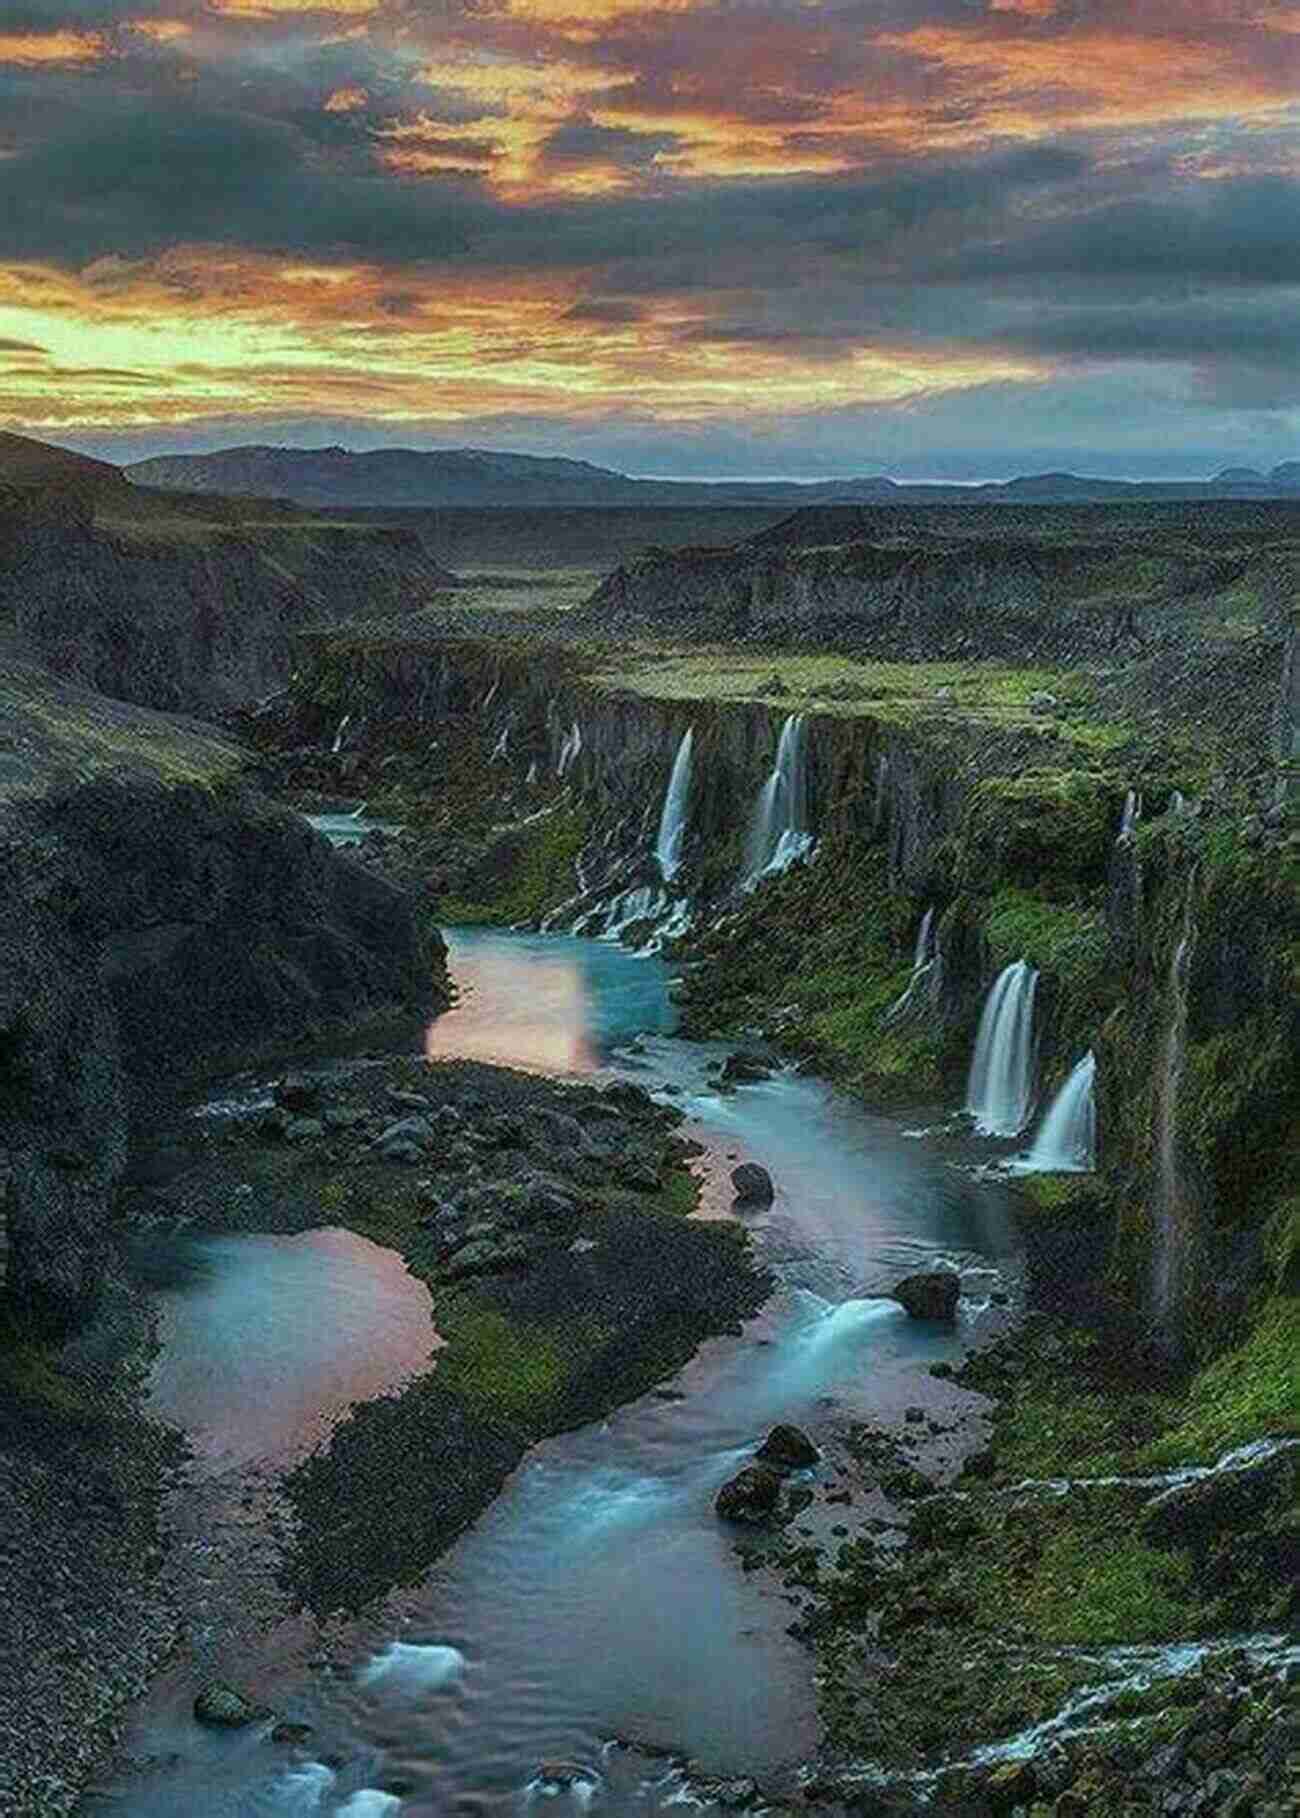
599,1597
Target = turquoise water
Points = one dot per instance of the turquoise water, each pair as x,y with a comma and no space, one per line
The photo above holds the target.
599,1597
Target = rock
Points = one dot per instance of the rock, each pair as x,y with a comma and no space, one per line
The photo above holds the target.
640,1172
416,1130
1042,702
486,1256
221,1707
753,1184
304,1129
399,1150
291,1733
751,1495
564,1773
930,1294
1012,1784
744,1069
914,1416
294,1093
412,1101
773,685
788,1449
342,1117
624,1093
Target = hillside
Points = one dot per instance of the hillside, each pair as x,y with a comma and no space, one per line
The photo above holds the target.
179,600
450,477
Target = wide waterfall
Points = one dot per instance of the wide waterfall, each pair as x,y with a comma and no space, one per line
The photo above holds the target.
779,833
1067,1140
1000,1090
672,822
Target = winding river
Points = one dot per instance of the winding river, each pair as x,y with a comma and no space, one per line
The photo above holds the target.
598,1598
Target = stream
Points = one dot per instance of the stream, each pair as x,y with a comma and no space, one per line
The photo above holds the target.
598,1599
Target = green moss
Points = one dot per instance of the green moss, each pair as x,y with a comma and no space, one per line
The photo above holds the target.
1093,1586
541,876
1247,1393
1283,1246
505,1367
1039,830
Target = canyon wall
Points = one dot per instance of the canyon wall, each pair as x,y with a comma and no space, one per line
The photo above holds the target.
1011,837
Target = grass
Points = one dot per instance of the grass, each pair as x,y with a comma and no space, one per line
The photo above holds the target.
1247,1393
1090,1587
542,875
508,1368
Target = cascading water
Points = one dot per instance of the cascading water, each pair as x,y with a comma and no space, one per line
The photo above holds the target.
779,833
924,941
923,986
342,727
1067,1141
1170,1239
1129,818
1000,1090
672,822
501,749
569,750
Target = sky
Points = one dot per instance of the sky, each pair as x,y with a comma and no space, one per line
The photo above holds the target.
935,238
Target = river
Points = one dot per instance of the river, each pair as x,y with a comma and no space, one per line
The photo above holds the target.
598,1598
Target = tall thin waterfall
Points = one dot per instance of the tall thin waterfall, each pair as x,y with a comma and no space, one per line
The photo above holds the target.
569,749
672,822
342,727
1067,1141
1129,818
1171,1237
1000,1090
779,832
923,940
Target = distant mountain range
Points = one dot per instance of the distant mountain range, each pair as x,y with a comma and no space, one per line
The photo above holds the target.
446,478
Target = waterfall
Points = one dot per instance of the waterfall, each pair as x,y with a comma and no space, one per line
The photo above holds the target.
1129,818
569,749
1178,802
1170,1247
1067,1141
1000,1090
924,985
532,772
923,941
672,822
501,749
342,727
779,831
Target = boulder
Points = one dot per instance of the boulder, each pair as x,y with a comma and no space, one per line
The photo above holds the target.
221,1707
416,1130
744,1069
294,1093
753,1184
558,1774
751,1495
788,1449
304,1129
930,1294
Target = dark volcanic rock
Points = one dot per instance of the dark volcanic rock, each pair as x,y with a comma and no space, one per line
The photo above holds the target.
753,1184
788,1449
222,1707
930,1294
751,1495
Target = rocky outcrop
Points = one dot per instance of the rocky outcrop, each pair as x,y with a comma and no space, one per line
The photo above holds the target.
151,929
931,1294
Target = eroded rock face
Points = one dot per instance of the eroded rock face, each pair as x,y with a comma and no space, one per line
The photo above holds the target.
930,1294
148,932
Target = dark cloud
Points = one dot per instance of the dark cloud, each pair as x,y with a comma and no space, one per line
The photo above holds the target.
614,312
582,142
1244,230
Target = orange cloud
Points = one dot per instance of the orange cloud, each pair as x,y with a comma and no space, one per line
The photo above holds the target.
275,9
32,50
162,31
209,333
346,100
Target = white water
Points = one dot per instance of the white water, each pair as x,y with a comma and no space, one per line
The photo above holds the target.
502,746
569,750
1067,1140
1170,1239
1000,1089
779,833
1129,818
672,821
342,727
924,939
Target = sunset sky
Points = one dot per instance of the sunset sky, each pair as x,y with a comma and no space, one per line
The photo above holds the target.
950,238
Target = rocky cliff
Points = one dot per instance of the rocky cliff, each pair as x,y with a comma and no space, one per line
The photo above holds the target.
1007,826
176,601
159,918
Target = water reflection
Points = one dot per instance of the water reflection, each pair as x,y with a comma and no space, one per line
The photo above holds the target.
545,1002
250,1368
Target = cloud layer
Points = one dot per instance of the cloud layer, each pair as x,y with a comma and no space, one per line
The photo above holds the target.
701,235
